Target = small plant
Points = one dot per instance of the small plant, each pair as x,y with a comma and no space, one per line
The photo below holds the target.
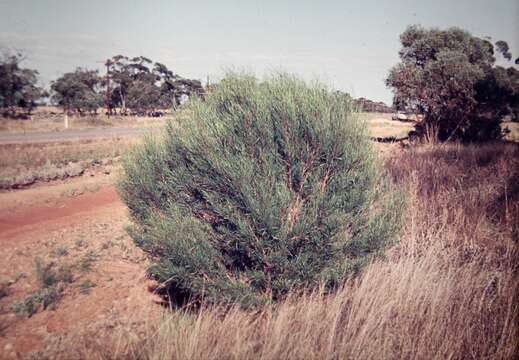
51,286
45,274
85,286
60,251
64,274
85,263
80,243
42,299
18,276
108,244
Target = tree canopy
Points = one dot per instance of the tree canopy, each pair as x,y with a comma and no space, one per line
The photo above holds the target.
78,91
143,86
18,86
450,76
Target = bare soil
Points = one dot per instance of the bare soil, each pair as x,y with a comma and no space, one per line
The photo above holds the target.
48,223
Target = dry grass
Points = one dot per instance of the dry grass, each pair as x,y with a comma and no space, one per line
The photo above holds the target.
55,122
38,154
49,118
24,164
18,177
381,125
448,290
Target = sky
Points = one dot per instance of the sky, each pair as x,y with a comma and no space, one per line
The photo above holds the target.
349,45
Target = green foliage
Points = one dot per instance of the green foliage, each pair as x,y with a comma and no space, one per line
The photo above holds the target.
85,286
87,260
45,274
51,287
18,87
503,49
143,86
143,96
42,299
267,187
60,251
78,91
450,77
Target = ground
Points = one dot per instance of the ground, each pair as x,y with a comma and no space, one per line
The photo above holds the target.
47,223
65,236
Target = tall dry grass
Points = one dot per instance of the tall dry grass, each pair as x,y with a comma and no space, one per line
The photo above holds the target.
448,290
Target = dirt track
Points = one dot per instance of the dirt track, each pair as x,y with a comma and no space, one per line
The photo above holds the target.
39,216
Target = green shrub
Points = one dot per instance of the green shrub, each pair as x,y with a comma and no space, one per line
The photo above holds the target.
85,286
45,274
267,187
44,298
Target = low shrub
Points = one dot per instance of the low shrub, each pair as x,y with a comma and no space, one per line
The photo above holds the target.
267,187
43,298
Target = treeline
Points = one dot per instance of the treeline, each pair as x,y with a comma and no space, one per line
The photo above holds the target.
365,105
136,86
373,106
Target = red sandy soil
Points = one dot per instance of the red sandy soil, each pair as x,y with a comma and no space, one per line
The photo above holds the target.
44,222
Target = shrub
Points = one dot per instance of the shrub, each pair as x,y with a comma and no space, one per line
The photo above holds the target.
267,187
43,298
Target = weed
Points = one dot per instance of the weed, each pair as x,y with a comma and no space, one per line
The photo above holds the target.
85,263
85,286
18,276
42,299
80,243
51,285
108,244
60,251
45,274
64,274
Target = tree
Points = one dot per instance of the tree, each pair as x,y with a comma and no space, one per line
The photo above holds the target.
143,97
449,76
163,88
503,49
18,87
78,91
368,105
181,88
124,71
266,187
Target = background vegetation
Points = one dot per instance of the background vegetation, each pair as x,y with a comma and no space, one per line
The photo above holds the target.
450,77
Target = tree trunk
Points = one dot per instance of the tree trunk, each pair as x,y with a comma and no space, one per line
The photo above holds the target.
123,103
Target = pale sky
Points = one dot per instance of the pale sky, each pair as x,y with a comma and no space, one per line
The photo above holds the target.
350,45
